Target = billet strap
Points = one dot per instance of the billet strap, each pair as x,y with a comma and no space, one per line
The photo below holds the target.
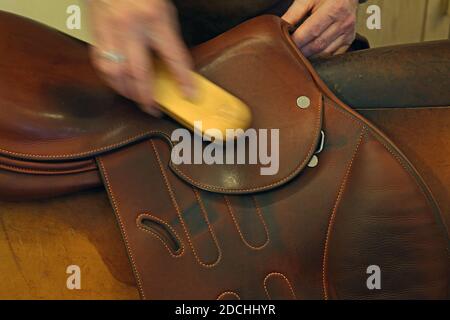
160,226
127,176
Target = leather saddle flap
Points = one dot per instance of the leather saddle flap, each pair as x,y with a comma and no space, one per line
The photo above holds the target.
66,114
259,64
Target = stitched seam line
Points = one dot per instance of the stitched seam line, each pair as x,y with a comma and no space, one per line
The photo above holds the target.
278,274
281,181
85,153
230,293
122,228
241,235
261,217
332,219
211,231
177,208
406,167
158,237
387,147
431,202
397,157
43,171
345,113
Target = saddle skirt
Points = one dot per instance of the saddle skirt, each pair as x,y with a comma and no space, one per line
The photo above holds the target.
225,231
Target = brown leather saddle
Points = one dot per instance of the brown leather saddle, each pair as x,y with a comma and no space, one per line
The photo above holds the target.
226,231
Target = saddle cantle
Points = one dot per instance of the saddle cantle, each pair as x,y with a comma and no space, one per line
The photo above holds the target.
225,231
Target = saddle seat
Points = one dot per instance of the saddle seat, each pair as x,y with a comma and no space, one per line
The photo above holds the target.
68,117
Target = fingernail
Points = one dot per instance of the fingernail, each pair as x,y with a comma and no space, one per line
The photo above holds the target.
151,110
155,112
189,92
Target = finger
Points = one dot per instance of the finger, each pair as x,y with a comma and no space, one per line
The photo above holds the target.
313,27
120,75
342,49
319,44
107,41
341,44
111,72
297,11
142,78
173,52
139,71
125,86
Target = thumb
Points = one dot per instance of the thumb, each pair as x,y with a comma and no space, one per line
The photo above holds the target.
297,11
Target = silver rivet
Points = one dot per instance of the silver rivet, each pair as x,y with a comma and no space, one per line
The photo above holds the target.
303,102
313,162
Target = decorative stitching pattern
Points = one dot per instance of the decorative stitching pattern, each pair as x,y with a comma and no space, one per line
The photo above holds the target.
122,227
381,140
177,208
278,274
258,212
211,231
182,174
400,159
333,217
228,293
158,237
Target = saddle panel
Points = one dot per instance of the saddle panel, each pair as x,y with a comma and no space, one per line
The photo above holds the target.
314,238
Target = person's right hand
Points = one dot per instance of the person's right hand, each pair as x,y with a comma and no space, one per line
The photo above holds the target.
126,33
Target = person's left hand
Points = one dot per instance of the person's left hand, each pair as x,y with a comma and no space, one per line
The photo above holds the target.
330,29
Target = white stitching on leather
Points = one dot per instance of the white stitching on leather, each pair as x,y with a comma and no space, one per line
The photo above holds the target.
258,212
122,228
177,209
332,219
92,152
228,293
158,237
211,231
278,274
274,184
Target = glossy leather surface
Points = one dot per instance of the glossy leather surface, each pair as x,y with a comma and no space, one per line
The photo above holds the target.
311,237
81,228
95,121
62,101
66,113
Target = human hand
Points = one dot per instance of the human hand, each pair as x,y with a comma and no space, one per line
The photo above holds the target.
127,34
330,29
